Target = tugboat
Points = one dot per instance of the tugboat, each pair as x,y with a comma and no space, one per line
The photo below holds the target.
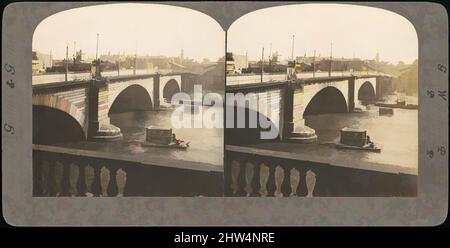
356,139
163,137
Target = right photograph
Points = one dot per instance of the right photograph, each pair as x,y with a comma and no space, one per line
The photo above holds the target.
321,101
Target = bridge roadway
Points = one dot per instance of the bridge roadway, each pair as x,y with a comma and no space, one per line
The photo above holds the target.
245,79
79,76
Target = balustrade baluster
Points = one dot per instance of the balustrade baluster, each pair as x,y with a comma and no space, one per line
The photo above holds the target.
59,172
279,178
104,181
295,180
121,180
74,173
310,182
249,172
235,169
263,179
45,174
89,176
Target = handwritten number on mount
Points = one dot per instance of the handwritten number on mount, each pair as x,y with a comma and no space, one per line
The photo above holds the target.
442,68
10,83
443,94
430,153
9,68
442,150
8,128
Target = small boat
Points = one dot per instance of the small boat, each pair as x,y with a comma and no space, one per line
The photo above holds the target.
170,145
356,139
363,148
164,138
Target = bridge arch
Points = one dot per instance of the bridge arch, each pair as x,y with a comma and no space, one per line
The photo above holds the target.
366,92
248,135
328,100
53,125
133,98
170,88
73,103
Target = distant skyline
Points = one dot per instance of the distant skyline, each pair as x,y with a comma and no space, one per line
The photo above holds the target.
355,31
149,29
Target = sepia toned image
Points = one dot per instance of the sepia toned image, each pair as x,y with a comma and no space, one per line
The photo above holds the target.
321,100
215,113
109,84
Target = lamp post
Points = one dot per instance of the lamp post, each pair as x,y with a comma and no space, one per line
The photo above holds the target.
331,60
96,50
67,62
314,64
292,51
262,64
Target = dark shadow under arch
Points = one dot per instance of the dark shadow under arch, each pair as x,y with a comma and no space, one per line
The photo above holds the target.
247,135
366,93
327,100
52,126
170,89
133,98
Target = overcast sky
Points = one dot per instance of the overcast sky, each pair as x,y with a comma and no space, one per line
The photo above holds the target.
154,29
354,30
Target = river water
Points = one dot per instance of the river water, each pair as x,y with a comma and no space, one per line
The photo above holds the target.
397,135
206,144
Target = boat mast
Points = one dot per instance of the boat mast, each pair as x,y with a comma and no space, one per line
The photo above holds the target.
67,61
262,64
135,57
314,64
292,51
96,51
331,60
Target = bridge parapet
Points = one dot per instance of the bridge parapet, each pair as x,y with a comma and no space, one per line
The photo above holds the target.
255,78
307,77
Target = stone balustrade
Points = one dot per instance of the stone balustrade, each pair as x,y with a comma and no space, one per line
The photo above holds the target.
262,175
65,175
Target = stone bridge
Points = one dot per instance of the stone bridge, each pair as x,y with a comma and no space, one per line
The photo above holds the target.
285,102
85,105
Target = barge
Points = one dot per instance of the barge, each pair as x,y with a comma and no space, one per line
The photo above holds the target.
356,139
164,138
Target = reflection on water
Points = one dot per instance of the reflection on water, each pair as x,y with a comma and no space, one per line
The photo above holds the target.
206,144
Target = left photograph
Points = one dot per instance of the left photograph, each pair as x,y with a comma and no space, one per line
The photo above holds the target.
127,101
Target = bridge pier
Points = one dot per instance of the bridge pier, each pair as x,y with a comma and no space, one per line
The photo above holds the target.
156,85
99,128
302,134
351,94
288,110
383,86
295,129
